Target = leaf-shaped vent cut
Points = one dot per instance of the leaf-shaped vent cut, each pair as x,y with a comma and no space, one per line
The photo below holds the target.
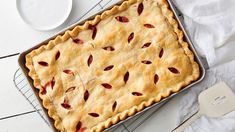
173,70
122,19
146,62
94,31
86,95
70,89
43,63
146,45
140,8
156,78
161,53
106,85
51,84
66,104
89,60
137,94
79,125
94,114
147,25
78,41
57,55
114,106
108,68
131,36
126,77
67,71
109,48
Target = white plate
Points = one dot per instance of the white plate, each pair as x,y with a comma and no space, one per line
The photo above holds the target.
44,14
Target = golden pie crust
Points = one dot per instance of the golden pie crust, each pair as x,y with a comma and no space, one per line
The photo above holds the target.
113,66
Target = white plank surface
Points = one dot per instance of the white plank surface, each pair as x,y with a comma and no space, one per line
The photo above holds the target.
11,101
164,120
25,123
107,3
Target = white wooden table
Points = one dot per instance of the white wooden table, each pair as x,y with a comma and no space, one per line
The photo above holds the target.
15,112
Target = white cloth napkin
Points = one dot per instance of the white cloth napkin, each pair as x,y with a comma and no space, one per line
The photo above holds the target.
189,104
211,26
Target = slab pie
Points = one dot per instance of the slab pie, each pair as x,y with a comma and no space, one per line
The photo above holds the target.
113,66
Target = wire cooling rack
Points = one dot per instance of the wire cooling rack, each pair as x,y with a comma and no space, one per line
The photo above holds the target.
24,88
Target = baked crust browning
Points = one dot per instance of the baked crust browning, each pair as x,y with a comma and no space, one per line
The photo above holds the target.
113,66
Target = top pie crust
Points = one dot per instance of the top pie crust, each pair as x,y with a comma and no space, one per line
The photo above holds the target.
113,66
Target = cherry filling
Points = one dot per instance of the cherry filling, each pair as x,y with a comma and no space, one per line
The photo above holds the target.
126,77
114,106
108,68
79,127
94,114
43,63
173,70
137,94
140,8
51,84
146,45
67,71
146,62
86,95
89,60
109,48
161,53
131,36
94,31
66,104
57,55
78,41
70,89
106,85
122,19
149,25
156,78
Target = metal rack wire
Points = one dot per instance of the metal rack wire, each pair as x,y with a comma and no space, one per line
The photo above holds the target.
24,88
